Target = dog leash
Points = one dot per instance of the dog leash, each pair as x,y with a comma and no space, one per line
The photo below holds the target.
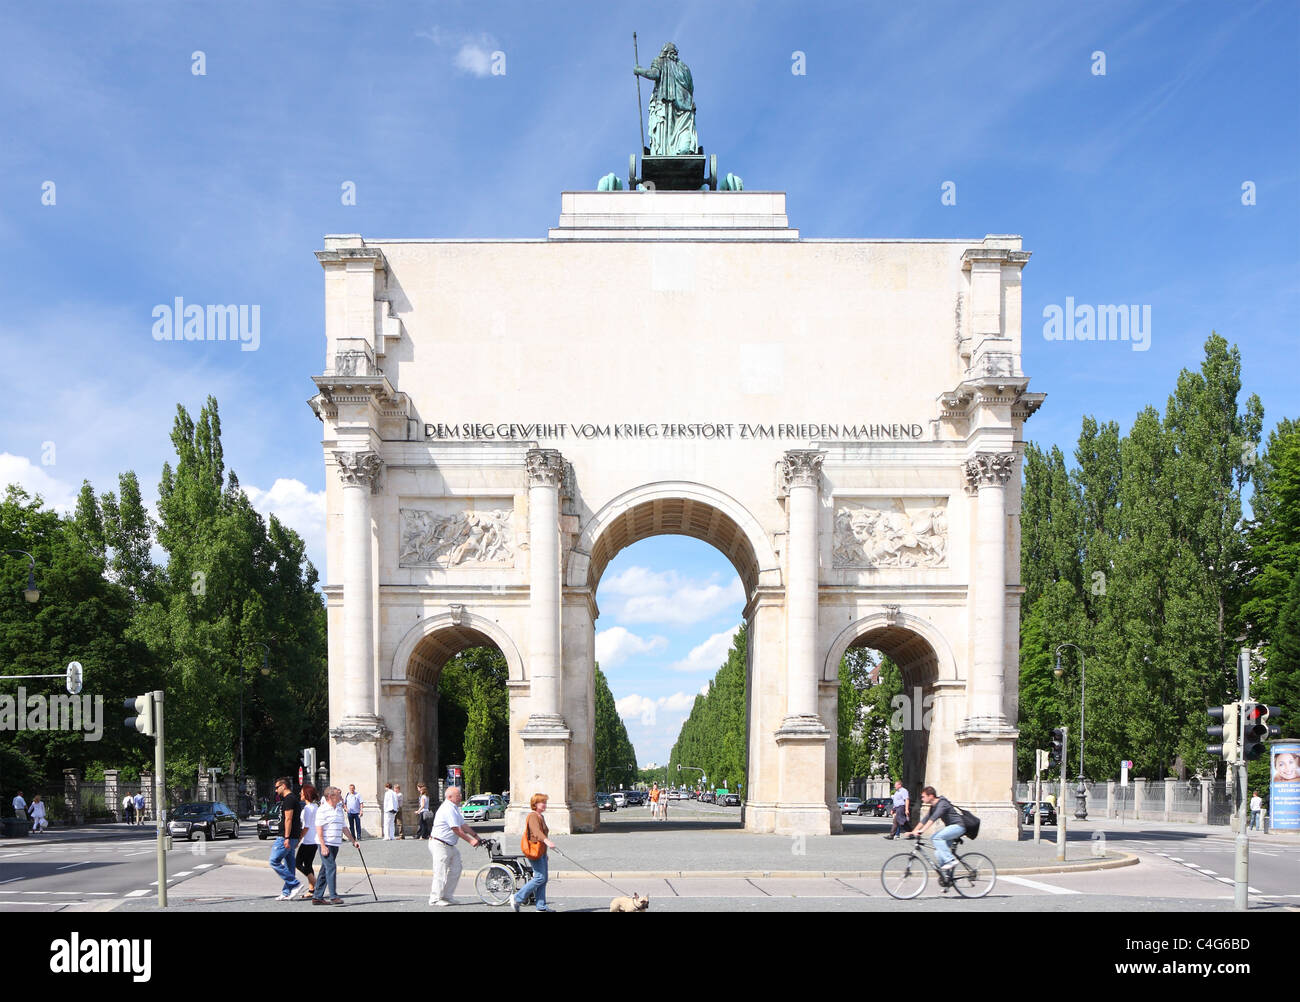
597,876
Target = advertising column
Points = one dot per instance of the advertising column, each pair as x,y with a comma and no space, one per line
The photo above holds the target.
1284,786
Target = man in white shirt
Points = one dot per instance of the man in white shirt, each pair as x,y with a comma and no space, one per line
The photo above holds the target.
448,826
1256,808
330,833
390,812
20,806
902,805
128,809
354,806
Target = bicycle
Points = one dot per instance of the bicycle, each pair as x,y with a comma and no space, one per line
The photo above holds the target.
504,875
905,875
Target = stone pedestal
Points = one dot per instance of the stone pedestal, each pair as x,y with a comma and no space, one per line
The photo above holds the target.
801,755
546,766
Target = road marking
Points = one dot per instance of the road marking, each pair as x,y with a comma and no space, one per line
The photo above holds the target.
203,866
1176,859
1225,880
183,873
1035,885
71,865
139,894
1208,873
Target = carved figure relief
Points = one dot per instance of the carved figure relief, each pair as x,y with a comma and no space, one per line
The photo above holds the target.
464,537
891,533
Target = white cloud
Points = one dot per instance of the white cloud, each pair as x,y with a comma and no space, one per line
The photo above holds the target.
60,496
473,52
296,505
709,655
647,709
678,701
615,645
640,595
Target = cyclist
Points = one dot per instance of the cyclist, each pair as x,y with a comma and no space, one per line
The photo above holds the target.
945,821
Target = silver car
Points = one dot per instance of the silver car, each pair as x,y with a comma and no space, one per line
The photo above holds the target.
850,805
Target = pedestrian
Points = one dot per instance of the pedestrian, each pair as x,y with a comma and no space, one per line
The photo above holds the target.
37,812
1256,809
902,808
128,809
390,813
139,807
448,826
535,831
286,842
352,802
20,806
422,811
654,801
305,858
330,832
663,805
397,820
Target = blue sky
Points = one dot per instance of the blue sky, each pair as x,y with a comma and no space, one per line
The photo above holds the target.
217,188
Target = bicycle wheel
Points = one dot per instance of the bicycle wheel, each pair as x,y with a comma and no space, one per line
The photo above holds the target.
974,875
904,876
495,884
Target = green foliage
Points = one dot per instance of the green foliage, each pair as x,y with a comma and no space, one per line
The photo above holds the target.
615,756
474,718
713,737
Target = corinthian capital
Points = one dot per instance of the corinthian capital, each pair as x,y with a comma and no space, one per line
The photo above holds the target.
989,469
801,467
359,469
546,467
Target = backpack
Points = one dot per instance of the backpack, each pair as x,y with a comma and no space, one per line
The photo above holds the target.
971,822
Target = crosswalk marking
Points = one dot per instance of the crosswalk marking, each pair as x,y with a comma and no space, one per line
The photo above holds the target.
1037,886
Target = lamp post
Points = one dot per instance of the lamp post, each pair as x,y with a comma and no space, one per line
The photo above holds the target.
1081,791
266,670
31,592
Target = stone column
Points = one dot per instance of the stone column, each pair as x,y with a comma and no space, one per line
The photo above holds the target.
72,797
802,739
1169,797
545,765
987,474
150,791
1139,788
359,473
113,795
1110,798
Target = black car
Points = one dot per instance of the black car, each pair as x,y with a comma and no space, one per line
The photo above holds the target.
1046,812
635,798
202,821
269,824
708,798
729,800
878,807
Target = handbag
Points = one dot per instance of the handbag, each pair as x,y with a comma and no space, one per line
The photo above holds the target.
531,849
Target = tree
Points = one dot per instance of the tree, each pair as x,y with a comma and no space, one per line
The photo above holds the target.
474,718
712,738
615,756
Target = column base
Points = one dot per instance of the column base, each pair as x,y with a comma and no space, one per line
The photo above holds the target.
357,752
801,761
545,770
986,775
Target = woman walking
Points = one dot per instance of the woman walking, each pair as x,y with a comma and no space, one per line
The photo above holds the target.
535,832
37,811
423,812
304,862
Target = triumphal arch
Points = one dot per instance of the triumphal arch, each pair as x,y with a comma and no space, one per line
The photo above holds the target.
841,418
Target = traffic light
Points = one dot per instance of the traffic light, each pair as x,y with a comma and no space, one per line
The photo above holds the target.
1257,729
143,720
1228,748
1058,745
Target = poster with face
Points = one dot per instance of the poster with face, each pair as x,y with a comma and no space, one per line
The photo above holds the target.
1284,785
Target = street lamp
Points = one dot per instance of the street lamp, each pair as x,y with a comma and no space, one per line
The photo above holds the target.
31,592
1081,791
266,670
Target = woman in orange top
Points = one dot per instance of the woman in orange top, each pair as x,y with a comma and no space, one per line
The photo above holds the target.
535,826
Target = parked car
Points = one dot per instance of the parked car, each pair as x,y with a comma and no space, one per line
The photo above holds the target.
708,798
604,802
202,821
1046,812
729,800
878,807
484,807
674,794
620,798
851,805
269,824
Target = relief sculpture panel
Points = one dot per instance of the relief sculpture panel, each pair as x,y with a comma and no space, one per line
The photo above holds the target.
452,539
891,532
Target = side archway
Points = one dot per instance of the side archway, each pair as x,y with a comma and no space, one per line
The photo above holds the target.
433,641
913,643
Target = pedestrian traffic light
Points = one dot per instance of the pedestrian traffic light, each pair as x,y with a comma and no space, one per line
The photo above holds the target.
143,720
1257,730
1228,748
1058,745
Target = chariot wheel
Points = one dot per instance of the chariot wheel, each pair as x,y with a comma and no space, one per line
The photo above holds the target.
904,876
495,884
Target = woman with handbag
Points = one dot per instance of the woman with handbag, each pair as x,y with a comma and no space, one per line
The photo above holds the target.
534,844
423,813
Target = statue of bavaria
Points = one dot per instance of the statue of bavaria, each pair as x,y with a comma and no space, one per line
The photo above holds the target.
672,105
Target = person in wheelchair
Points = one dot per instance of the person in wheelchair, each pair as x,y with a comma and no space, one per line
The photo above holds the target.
945,822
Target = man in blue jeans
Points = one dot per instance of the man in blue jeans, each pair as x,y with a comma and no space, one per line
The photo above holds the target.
286,844
945,821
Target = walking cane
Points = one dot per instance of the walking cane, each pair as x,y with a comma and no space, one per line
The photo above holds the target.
367,869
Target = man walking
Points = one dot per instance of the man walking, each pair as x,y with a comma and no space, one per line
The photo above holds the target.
20,806
354,808
139,808
1256,809
397,819
448,826
390,813
902,808
128,809
286,843
329,833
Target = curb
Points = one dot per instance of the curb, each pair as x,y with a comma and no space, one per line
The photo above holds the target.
1125,859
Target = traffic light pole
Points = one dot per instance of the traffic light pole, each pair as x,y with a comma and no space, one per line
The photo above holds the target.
160,797
1241,868
1060,805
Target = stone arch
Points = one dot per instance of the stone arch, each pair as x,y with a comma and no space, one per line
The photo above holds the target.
674,508
435,640
896,636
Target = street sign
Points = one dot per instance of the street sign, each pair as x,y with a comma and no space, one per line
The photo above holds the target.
1124,767
74,678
